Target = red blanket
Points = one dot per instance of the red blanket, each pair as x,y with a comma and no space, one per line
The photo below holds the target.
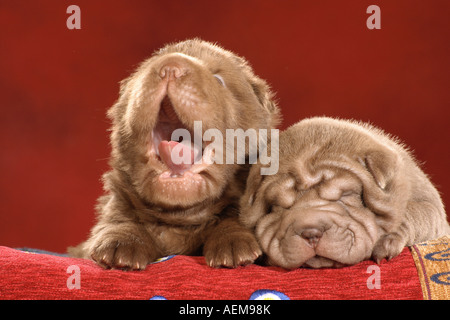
25,275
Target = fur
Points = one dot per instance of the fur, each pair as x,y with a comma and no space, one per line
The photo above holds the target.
149,211
345,192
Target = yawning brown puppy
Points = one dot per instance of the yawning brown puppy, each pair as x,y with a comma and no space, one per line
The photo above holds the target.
154,205
344,192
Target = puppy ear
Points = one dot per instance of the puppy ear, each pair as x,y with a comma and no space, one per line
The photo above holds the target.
385,189
267,100
382,165
118,109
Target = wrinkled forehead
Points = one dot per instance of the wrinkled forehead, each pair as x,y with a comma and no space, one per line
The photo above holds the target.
309,172
327,183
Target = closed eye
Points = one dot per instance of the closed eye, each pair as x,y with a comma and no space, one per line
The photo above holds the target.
274,208
348,193
352,198
220,80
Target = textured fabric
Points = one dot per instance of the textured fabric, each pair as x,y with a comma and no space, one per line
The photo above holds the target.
26,275
432,259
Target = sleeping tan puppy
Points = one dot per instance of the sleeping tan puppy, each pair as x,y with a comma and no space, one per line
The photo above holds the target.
345,192
155,205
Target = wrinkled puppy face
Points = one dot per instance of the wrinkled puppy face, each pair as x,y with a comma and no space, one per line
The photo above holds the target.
191,86
325,225
327,204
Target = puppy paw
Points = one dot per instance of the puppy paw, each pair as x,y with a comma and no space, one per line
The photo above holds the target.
125,253
232,250
388,246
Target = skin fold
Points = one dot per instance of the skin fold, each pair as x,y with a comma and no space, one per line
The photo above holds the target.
345,192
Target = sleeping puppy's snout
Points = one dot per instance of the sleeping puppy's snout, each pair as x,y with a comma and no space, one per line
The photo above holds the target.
311,235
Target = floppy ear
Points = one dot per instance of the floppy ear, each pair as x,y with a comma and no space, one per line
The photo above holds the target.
266,99
382,165
118,109
385,190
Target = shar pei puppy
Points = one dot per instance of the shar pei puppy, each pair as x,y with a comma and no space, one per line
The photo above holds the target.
155,205
344,192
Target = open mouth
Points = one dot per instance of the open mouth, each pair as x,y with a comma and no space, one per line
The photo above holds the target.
181,156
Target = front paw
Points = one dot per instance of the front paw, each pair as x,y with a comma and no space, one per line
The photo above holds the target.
231,250
387,247
122,252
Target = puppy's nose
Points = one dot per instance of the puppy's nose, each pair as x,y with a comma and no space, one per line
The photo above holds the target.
312,236
172,71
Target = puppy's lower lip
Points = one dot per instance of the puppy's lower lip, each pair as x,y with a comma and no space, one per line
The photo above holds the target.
172,175
176,175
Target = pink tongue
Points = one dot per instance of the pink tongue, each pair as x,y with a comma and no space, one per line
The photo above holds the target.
183,156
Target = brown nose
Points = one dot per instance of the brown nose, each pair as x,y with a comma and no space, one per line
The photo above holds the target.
312,236
171,70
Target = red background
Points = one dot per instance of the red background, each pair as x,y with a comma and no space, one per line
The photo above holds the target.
56,85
